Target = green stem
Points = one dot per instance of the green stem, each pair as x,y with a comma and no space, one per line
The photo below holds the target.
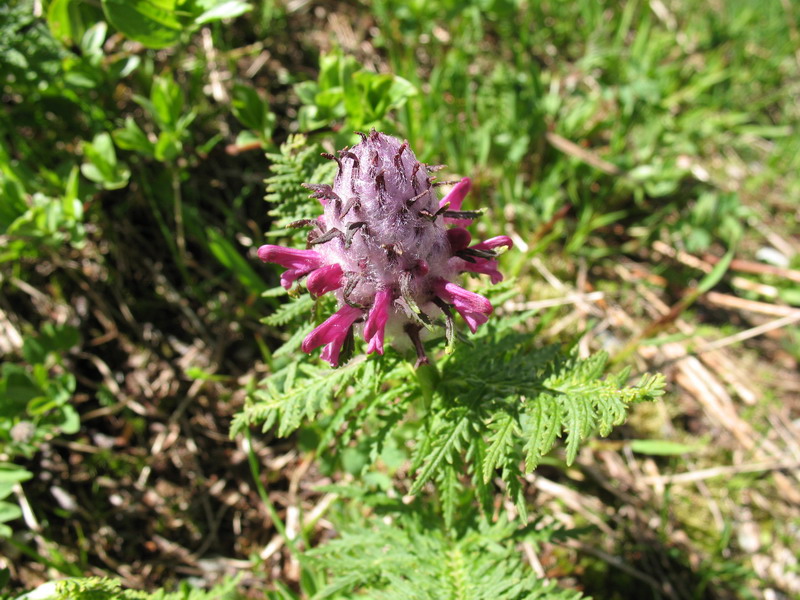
65,568
429,378
178,254
262,492
180,235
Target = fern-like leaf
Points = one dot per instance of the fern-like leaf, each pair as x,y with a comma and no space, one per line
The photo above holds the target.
105,588
418,556
291,311
517,396
542,424
288,403
446,440
502,440
298,162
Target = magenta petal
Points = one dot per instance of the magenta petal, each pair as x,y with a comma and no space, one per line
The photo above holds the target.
376,322
474,308
325,279
330,353
496,242
297,262
486,267
459,238
455,198
333,333
288,257
457,194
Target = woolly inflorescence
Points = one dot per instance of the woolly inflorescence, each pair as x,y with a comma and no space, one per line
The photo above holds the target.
382,246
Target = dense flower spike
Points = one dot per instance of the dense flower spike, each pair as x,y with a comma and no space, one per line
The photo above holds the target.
382,247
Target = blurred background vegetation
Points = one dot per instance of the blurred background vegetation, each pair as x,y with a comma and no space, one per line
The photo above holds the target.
643,156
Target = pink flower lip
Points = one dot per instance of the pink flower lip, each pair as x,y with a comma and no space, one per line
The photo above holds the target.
457,194
474,308
325,279
297,262
485,267
374,330
501,241
456,198
421,268
459,238
332,333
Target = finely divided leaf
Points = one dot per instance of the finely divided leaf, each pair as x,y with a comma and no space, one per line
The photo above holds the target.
502,440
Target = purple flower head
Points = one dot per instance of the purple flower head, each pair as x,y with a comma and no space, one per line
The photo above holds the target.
382,247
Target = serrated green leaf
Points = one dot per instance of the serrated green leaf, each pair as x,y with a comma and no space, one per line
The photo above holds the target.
541,430
290,311
502,439
444,442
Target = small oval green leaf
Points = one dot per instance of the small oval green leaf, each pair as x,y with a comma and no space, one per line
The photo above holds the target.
153,23
661,447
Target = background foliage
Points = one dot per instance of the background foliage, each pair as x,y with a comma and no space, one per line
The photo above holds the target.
643,157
